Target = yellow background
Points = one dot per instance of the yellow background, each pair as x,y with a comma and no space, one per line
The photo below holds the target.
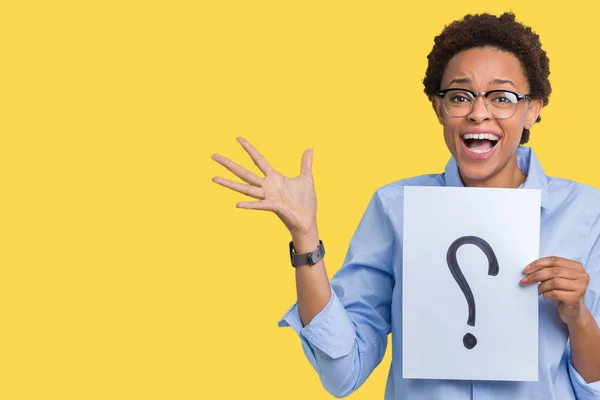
125,273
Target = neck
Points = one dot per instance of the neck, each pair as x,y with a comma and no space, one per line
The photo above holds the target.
509,177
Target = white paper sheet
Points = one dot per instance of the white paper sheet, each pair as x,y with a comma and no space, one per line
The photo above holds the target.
435,310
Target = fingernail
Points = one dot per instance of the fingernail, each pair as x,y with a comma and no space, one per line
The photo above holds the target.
527,268
523,281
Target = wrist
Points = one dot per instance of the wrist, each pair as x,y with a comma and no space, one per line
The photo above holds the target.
581,324
305,242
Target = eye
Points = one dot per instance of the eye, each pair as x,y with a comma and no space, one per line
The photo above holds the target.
459,97
503,98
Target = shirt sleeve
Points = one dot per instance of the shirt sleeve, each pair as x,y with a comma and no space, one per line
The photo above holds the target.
347,339
583,390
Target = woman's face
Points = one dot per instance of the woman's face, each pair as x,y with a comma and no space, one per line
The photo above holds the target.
484,162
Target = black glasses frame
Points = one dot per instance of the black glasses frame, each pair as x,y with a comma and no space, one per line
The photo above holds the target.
519,96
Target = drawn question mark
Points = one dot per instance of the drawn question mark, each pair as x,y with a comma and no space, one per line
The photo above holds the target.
469,340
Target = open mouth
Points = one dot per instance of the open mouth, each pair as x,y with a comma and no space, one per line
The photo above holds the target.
480,143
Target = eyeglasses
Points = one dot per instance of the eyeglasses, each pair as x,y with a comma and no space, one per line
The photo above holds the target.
501,104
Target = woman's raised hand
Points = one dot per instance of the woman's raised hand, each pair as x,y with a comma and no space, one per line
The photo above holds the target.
293,200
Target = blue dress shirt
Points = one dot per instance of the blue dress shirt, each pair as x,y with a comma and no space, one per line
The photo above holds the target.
348,338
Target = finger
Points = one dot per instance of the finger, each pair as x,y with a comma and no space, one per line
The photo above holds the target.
306,165
238,170
564,296
552,261
545,274
258,158
248,190
257,205
558,283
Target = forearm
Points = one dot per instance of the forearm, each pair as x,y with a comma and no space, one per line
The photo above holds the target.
585,347
312,283
344,348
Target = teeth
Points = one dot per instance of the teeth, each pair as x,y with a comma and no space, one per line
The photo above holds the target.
480,136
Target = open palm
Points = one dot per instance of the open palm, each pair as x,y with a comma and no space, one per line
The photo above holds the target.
293,200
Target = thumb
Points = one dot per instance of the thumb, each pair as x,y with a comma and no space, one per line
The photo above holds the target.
306,166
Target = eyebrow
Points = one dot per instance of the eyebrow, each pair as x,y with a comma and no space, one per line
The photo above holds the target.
503,81
460,80
496,81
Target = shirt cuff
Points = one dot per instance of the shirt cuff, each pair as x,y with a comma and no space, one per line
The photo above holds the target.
331,330
583,390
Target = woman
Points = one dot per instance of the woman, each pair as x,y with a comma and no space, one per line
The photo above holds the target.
487,80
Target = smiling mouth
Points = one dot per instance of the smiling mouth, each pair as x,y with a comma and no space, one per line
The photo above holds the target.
480,142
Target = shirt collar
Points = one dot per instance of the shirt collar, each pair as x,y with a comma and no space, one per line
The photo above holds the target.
527,163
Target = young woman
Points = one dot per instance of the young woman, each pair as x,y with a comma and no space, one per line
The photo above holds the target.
487,80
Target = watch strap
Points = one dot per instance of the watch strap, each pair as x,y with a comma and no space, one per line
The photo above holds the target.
310,258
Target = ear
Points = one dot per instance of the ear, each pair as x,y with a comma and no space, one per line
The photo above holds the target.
533,112
436,103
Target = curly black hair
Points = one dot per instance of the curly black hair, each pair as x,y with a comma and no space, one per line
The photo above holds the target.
502,32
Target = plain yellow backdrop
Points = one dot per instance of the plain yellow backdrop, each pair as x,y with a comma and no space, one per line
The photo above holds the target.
125,273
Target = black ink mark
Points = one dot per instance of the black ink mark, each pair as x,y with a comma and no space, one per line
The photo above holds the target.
469,340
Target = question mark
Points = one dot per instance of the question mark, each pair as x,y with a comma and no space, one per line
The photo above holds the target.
469,340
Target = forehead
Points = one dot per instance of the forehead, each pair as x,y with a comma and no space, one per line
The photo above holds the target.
483,65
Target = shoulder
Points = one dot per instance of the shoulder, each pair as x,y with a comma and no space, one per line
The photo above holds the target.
570,193
576,204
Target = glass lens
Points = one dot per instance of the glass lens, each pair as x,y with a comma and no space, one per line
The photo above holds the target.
502,104
458,102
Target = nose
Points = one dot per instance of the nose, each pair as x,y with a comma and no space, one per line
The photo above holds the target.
479,113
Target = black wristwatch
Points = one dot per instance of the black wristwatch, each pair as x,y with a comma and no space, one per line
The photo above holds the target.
310,258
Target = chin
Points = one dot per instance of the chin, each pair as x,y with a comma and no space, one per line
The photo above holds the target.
477,171
480,177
